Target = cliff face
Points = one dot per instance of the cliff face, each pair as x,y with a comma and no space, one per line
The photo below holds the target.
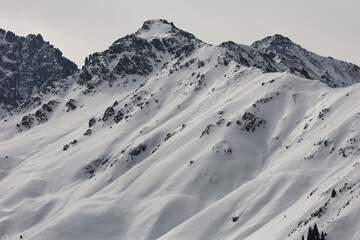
26,65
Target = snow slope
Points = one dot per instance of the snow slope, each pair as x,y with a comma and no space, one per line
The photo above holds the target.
307,64
199,142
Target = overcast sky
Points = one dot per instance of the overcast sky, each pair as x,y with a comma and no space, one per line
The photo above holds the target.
81,27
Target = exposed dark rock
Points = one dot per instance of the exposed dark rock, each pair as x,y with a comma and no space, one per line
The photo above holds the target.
28,64
221,120
73,143
89,169
88,132
333,193
158,44
85,76
185,50
71,105
108,113
323,112
119,116
99,164
251,122
207,129
168,136
305,73
136,151
31,103
92,122
66,146
27,121
200,64
41,116
133,65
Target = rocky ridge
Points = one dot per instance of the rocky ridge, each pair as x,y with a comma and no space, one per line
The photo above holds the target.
301,62
28,64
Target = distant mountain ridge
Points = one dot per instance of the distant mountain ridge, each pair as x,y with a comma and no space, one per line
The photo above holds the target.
272,54
303,63
28,64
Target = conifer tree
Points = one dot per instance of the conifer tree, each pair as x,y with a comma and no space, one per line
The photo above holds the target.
313,234
333,193
310,235
316,232
322,236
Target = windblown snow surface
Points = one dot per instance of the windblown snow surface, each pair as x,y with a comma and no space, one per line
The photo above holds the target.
205,151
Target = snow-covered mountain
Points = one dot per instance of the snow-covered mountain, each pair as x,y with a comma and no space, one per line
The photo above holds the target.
28,64
165,136
306,64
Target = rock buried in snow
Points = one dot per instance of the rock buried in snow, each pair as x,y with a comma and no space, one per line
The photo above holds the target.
137,150
119,116
108,113
71,105
88,132
251,122
92,122
66,146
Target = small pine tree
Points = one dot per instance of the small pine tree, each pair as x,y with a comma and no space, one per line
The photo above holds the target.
322,236
316,232
310,235
313,234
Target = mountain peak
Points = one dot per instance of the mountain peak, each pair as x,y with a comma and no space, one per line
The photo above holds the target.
307,64
147,25
280,38
160,28
37,37
276,40
156,28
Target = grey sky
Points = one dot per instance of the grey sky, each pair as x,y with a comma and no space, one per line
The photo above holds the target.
81,27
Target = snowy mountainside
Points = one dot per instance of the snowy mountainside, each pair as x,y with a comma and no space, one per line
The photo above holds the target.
27,64
199,142
306,64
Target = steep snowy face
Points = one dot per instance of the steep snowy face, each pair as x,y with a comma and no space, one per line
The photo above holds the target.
28,64
161,29
304,63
